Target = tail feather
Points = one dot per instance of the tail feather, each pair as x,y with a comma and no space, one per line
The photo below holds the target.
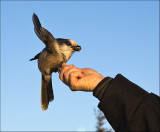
50,91
46,93
44,96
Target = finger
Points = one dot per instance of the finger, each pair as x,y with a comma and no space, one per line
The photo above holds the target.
63,64
63,70
74,78
88,71
67,72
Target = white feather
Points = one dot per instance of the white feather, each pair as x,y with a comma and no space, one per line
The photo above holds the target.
66,51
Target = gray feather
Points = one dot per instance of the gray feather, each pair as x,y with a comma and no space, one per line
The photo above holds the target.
44,35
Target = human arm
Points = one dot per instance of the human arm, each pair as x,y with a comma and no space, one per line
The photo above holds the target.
126,106
80,79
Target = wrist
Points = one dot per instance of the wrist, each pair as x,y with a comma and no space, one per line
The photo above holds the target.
96,81
101,87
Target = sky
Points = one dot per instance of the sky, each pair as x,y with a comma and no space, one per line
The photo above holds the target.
116,37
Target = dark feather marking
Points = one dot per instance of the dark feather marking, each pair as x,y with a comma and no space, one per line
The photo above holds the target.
36,22
62,41
44,35
50,91
36,57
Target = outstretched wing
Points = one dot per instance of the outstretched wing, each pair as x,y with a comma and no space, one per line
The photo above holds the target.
44,35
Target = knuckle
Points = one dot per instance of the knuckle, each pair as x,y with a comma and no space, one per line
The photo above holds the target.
73,85
65,68
71,74
65,74
61,76
70,65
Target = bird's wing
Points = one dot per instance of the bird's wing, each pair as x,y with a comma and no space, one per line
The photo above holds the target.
44,35
36,57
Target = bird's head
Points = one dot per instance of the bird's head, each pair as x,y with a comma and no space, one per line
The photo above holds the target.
74,45
67,47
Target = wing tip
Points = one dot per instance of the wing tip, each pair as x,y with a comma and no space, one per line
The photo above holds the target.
34,16
36,22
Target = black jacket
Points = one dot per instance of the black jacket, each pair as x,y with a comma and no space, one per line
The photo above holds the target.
126,106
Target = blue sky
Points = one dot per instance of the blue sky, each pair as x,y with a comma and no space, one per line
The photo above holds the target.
116,37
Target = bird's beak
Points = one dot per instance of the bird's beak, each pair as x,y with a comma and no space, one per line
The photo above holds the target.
76,48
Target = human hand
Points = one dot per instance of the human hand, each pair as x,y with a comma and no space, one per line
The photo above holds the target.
79,79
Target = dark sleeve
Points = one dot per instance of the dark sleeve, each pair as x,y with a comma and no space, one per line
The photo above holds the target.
127,107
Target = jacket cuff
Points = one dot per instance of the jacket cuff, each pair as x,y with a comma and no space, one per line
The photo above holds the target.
98,92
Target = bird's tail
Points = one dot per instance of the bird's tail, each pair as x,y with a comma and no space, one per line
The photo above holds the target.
46,93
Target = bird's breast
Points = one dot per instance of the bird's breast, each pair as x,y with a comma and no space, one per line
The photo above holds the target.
49,62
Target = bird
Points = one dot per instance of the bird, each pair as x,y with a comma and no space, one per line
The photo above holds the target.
56,52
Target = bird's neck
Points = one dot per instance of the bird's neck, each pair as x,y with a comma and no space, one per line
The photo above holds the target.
66,51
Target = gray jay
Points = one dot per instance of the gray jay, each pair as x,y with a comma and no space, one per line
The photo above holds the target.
50,59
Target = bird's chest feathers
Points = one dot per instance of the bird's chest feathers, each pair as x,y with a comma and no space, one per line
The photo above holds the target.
66,51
